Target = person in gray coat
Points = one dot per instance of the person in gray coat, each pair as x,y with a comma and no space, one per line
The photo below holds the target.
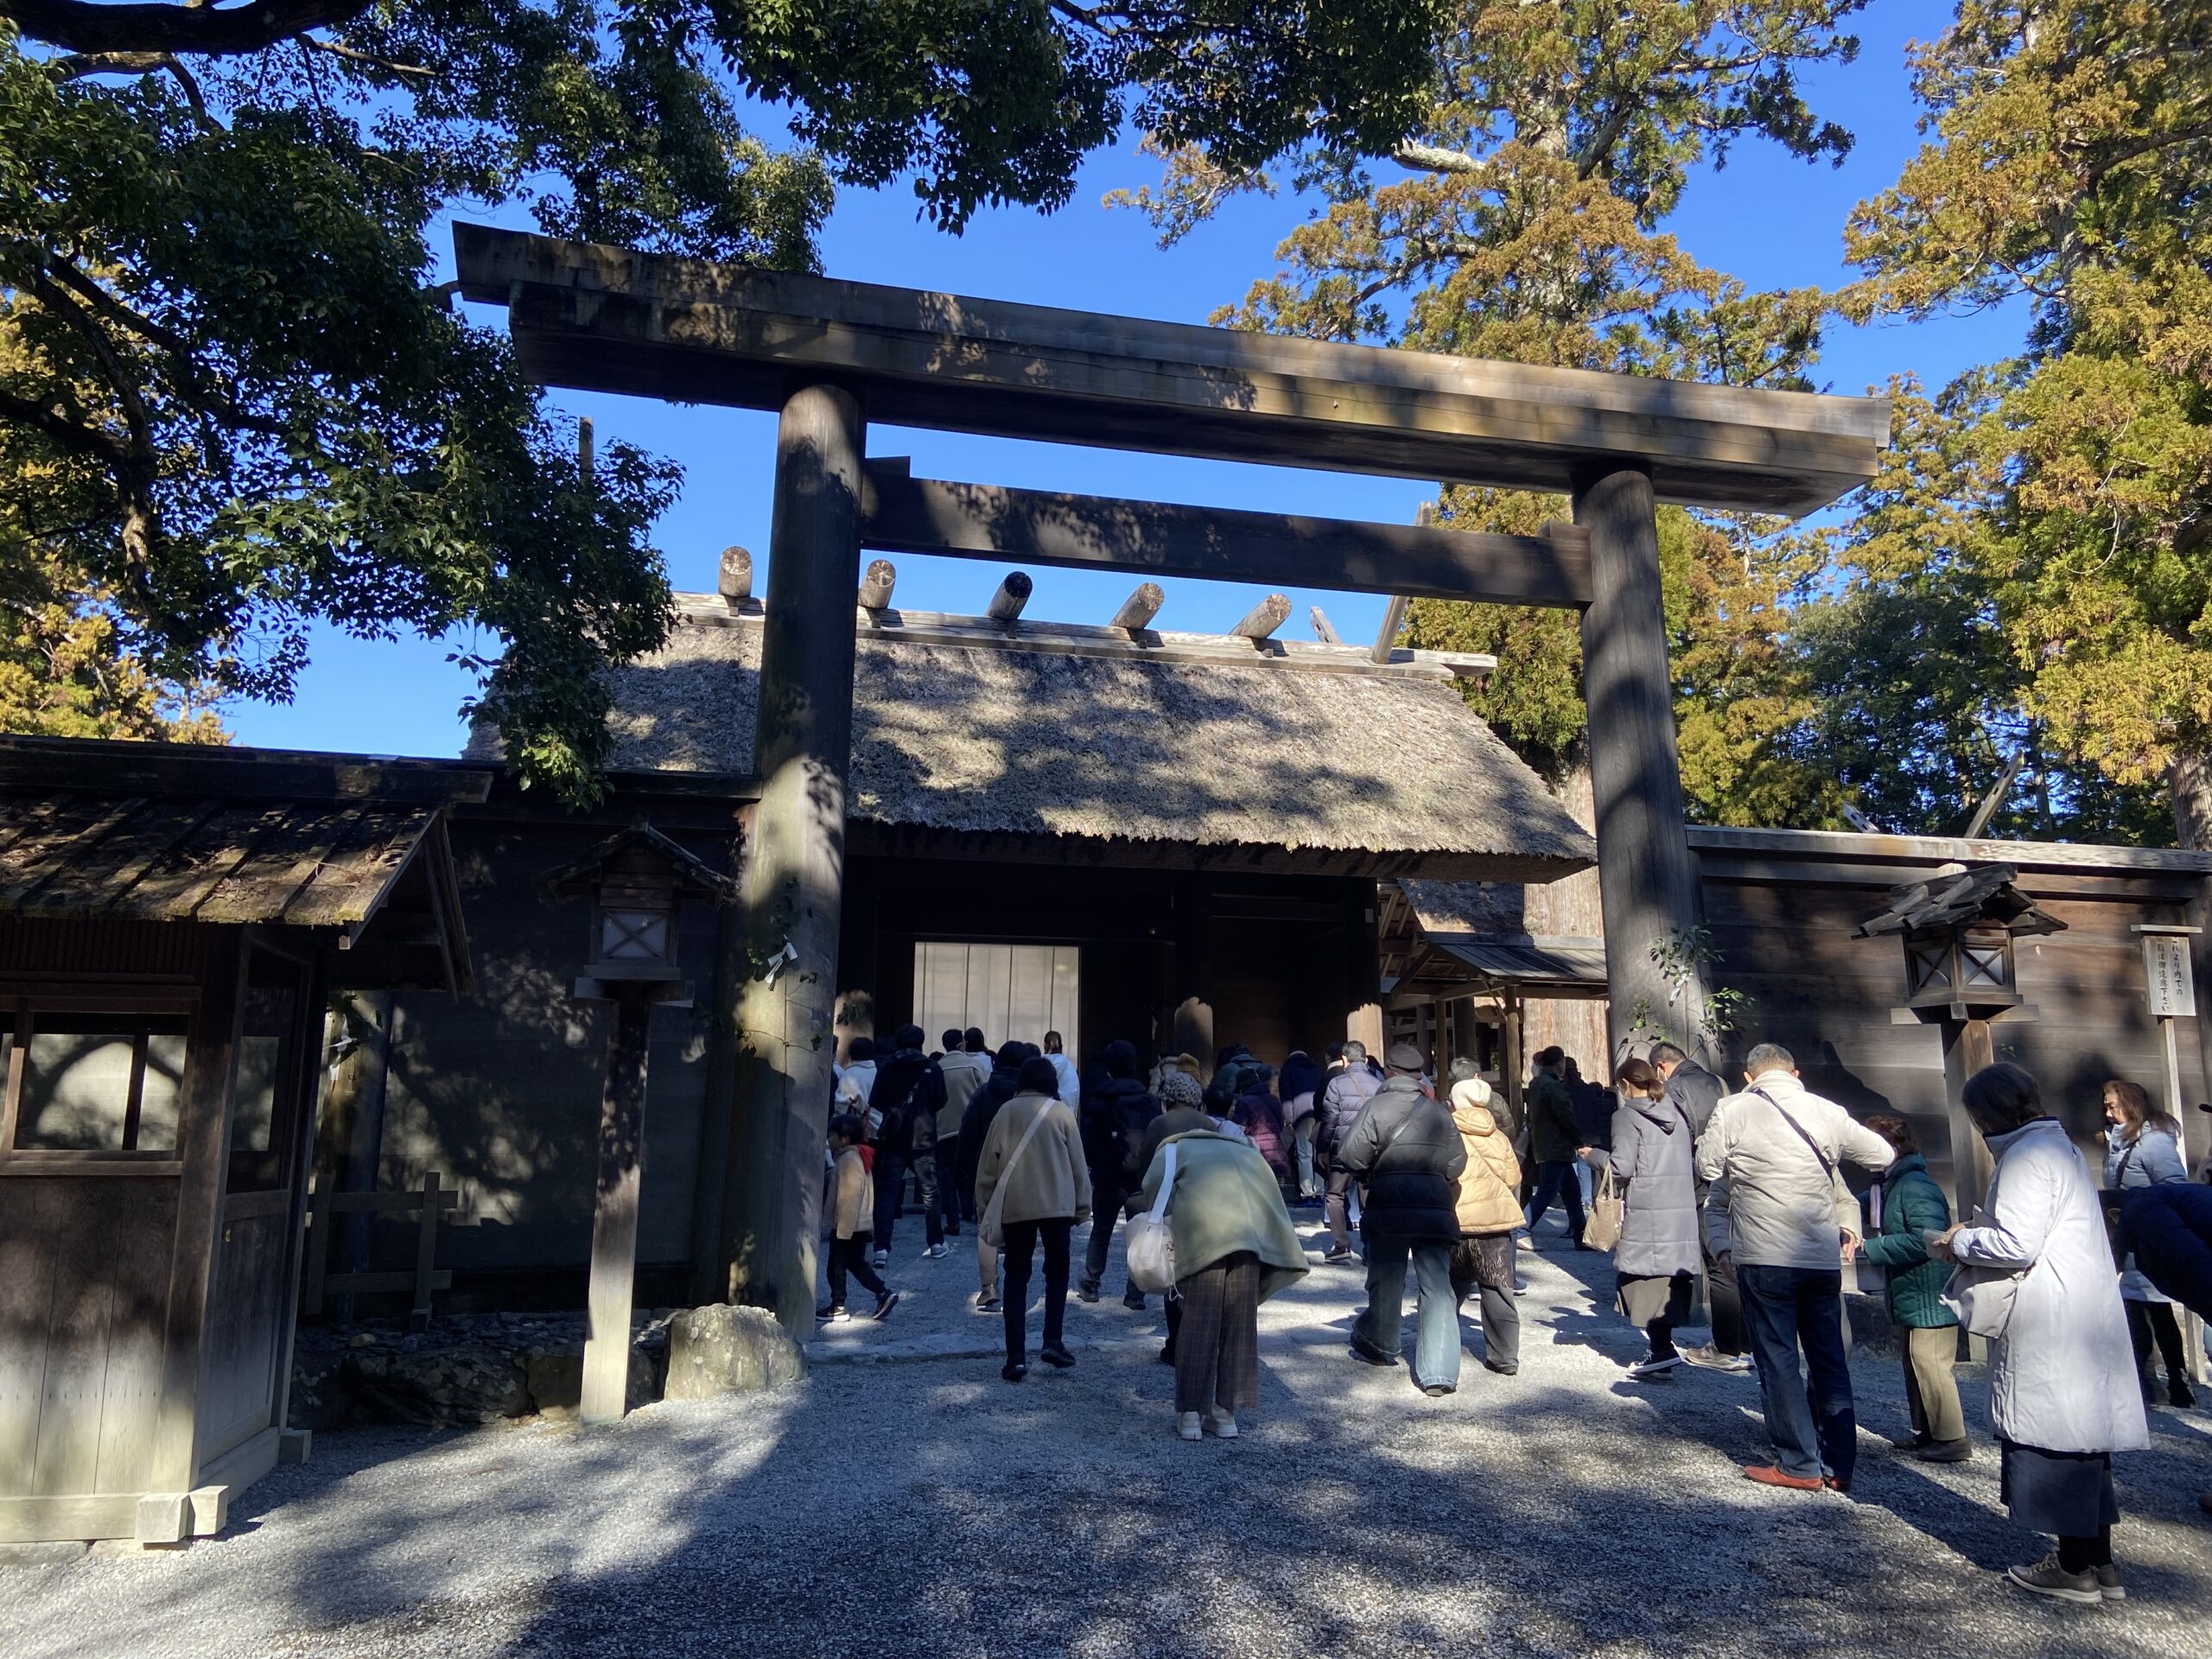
1659,1250
1406,1154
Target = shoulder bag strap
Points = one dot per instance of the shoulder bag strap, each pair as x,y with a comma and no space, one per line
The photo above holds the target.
998,1192
1828,1167
1167,1183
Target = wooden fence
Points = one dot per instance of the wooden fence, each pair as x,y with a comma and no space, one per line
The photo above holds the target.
431,1202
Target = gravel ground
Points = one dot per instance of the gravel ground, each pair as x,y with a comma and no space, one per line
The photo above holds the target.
886,1509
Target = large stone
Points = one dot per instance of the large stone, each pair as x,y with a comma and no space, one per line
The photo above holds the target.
723,1349
322,1397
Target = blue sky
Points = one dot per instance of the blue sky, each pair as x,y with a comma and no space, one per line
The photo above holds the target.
1770,220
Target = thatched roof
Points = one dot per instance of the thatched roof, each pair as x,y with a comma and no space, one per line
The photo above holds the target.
1041,732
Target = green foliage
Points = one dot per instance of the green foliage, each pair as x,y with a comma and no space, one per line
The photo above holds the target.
232,406
1523,224
2069,165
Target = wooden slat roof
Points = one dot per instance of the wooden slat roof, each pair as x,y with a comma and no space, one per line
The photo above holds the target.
171,833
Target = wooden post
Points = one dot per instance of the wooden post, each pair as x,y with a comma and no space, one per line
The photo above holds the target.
1967,1047
614,1210
426,1254
1386,637
1512,1064
1363,969
876,587
734,581
1263,619
795,865
1193,1027
709,1273
1013,594
1647,878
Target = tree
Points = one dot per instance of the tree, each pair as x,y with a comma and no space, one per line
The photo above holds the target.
1522,221
2069,169
237,403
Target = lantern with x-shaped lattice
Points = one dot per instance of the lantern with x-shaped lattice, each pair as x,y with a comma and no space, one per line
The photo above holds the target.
1958,929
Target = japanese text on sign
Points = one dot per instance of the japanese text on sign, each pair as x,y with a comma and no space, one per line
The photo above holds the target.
2172,988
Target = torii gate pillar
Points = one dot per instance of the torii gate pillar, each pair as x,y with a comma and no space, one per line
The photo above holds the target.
1647,878
795,859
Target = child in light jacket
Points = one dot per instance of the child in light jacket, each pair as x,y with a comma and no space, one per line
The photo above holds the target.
852,1218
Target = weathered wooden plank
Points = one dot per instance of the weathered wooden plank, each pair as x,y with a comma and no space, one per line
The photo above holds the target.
921,515
259,889
26,1268
46,1520
144,1233
2025,854
614,1214
75,1382
693,331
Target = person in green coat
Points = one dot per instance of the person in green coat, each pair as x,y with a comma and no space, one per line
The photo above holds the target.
1913,1207
1235,1247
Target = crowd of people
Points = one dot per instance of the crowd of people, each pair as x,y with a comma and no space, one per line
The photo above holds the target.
2070,1281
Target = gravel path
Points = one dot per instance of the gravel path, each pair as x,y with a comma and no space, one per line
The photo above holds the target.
881,1510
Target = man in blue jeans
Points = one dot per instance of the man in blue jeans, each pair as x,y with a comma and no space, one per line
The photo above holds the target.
1791,1225
1406,1153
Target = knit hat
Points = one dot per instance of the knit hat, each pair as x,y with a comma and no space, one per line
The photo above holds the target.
1404,1056
1180,1089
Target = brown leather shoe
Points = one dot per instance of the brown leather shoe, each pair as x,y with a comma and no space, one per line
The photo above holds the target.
1768,1474
1834,1485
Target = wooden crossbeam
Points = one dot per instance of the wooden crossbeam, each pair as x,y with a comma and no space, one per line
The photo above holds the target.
902,514
616,320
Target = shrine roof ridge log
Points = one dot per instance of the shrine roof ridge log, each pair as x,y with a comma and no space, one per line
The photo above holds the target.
692,331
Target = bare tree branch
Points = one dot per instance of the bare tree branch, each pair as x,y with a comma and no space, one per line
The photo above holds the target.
1434,158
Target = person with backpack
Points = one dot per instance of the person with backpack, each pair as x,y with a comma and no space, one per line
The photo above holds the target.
908,1095
1791,1226
1116,1110
1032,1187
1406,1155
1650,1147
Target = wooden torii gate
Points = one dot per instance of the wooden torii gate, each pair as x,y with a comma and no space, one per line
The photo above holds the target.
829,356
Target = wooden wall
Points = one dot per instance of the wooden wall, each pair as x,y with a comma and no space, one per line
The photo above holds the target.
500,1090
1782,926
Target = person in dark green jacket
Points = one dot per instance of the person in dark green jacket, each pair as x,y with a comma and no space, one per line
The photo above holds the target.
1913,1206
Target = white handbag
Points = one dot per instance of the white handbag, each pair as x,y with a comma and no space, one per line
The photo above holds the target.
1151,1241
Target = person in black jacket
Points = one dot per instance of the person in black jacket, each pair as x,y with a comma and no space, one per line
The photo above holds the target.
1002,1085
1406,1153
1116,1110
1345,1094
909,1093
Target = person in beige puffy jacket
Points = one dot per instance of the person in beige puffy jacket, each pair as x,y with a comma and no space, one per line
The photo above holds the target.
852,1215
1490,1210
1038,1184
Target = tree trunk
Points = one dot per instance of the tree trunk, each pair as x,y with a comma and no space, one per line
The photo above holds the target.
2189,787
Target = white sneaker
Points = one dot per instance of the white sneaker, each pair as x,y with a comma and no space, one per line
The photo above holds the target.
1187,1426
935,1253
882,1259
1524,1242
1648,1367
1223,1423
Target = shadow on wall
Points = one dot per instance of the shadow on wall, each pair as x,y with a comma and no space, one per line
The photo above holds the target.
501,1089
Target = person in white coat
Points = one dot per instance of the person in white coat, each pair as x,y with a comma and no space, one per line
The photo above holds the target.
2062,1387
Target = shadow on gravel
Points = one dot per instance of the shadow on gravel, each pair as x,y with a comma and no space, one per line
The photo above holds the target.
931,1509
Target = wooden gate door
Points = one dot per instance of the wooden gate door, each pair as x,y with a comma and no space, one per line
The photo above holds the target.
253,1295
